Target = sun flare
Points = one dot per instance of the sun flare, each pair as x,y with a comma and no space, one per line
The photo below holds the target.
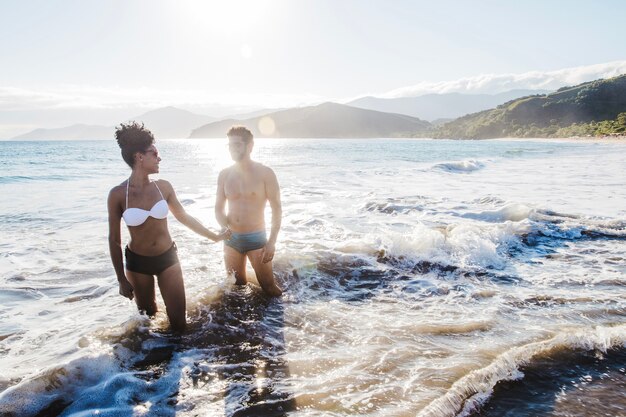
224,18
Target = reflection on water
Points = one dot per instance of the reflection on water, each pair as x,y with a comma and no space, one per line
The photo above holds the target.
245,334
231,361
430,278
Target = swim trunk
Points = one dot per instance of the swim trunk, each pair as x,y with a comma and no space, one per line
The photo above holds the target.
151,265
245,242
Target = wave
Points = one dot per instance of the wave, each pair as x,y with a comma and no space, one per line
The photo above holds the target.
465,166
549,224
572,383
510,212
11,179
51,391
553,225
480,251
490,199
402,205
466,246
393,207
234,342
469,393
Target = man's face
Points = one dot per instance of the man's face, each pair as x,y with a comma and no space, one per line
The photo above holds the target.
237,147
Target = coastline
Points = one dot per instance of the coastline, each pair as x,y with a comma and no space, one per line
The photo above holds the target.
577,139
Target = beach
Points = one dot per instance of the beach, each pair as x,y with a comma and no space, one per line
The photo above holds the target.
421,277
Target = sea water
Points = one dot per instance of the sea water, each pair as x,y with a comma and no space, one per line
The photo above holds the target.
421,277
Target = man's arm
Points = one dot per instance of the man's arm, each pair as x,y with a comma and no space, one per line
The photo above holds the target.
272,190
115,245
220,201
185,218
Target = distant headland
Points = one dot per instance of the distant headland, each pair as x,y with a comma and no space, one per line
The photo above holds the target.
591,110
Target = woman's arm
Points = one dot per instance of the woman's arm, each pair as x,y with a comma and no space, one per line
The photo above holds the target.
220,201
115,244
188,220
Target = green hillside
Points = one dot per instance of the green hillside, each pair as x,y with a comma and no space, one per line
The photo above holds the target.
589,109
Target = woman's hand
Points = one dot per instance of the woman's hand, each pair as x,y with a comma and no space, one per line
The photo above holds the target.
126,290
223,235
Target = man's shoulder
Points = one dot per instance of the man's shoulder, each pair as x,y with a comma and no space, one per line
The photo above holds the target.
226,171
264,169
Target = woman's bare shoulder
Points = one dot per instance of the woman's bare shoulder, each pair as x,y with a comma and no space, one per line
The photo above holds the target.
119,188
116,199
164,185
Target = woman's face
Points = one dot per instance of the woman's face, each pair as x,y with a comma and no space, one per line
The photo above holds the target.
149,160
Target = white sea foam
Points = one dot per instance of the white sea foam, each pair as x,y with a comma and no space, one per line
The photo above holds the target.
469,165
467,394
59,383
401,280
463,244
510,212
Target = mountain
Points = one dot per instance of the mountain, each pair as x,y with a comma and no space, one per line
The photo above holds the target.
440,106
164,123
596,105
252,114
171,122
74,132
328,120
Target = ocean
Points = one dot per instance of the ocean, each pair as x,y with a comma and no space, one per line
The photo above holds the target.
421,278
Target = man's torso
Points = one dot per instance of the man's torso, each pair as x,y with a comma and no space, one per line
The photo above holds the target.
246,196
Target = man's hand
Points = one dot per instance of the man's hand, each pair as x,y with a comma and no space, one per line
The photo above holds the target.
126,290
268,252
224,234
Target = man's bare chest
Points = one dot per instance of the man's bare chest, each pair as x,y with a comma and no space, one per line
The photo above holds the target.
248,189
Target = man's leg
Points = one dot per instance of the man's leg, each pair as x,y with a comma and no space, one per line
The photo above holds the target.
235,264
173,292
264,273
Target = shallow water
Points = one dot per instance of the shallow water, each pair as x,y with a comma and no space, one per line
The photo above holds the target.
430,278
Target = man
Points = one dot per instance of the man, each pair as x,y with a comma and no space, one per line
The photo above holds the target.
247,186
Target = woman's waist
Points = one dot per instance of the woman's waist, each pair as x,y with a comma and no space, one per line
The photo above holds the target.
150,246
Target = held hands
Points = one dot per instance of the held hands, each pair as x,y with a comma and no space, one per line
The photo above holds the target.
268,252
223,235
126,290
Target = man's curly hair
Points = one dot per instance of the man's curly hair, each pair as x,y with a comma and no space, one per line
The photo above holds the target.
133,137
241,131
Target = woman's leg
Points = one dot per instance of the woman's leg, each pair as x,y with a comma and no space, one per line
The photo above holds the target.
143,289
173,292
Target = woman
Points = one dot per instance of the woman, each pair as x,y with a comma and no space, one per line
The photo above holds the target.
144,205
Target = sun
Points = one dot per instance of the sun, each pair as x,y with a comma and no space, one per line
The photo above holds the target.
225,18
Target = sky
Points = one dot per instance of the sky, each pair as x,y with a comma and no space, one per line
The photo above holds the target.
91,60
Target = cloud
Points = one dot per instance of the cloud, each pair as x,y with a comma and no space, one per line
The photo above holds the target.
77,97
499,83
88,97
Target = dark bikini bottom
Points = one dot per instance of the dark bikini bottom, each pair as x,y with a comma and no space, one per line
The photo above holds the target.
151,265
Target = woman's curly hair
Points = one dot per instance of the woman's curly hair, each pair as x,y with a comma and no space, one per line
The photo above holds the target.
133,137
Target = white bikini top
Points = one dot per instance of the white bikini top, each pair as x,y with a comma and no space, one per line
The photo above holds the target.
136,216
